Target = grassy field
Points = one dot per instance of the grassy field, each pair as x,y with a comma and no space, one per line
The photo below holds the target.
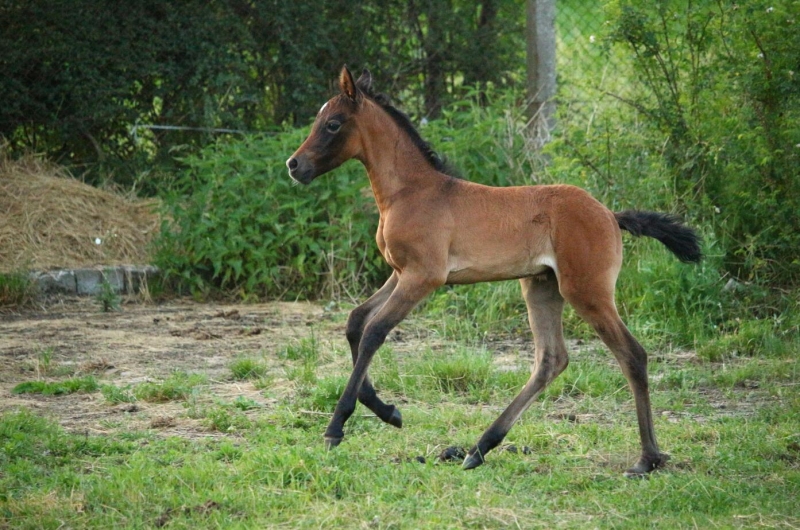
252,456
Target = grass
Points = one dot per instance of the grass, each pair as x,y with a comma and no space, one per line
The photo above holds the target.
732,428
178,386
246,368
16,290
55,388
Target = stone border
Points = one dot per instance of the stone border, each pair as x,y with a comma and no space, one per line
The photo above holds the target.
123,279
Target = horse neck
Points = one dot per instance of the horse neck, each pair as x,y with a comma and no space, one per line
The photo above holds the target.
392,160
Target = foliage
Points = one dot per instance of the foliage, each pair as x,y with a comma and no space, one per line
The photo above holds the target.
79,75
717,92
83,79
240,224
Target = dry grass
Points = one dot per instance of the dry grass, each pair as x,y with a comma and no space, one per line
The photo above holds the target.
48,219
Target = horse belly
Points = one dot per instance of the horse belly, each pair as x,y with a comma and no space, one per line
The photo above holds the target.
490,270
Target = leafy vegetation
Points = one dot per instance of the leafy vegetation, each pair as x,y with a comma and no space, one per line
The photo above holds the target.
84,81
240,225
108,299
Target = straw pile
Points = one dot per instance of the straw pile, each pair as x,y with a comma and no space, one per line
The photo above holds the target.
50,220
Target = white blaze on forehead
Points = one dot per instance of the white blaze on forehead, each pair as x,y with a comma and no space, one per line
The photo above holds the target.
322,108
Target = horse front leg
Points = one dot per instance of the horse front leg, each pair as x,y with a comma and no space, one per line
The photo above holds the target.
355,329
410,290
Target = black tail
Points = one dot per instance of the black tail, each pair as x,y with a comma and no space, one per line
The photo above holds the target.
677,237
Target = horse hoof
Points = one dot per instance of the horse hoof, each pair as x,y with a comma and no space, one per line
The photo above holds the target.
396,419
472,461
646,465
331,442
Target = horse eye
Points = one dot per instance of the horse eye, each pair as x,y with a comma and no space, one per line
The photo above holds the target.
333,126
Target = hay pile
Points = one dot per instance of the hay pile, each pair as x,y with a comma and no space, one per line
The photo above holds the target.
50,220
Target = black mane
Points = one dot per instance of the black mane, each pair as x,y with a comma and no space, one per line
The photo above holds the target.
404,122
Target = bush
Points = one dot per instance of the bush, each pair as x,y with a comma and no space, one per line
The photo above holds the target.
238,223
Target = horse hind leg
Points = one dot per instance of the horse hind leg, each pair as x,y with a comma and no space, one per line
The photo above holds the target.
597,307
356,322
545,306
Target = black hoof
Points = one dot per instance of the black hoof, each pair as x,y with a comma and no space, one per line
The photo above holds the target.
331,442
646,465
472,461
396,419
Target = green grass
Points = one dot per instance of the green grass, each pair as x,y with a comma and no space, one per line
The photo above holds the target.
245,368
16,290
115,395
732,428
178,386
54,388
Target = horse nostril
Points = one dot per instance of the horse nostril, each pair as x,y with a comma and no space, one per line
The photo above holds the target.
291,164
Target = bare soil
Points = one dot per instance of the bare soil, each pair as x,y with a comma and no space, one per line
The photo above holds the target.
146,342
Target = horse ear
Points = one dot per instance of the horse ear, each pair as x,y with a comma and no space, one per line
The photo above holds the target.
364,83
347,84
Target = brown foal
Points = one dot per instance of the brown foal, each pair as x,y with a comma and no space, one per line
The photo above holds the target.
434,229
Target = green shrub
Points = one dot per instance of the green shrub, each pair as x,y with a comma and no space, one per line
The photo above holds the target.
240,224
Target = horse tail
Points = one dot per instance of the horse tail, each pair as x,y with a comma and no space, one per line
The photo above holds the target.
680,239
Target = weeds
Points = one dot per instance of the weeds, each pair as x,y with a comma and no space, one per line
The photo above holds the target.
179,386
16,290
225,419
108,298
55,388
306,349
116,395
245,368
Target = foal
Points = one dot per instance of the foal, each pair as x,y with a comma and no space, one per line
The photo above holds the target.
558,241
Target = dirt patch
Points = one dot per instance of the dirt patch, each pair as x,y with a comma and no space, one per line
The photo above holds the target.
143,343
147,342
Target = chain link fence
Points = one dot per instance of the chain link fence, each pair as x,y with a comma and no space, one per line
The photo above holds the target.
589,70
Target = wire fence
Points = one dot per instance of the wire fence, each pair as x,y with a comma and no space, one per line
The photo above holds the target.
589,71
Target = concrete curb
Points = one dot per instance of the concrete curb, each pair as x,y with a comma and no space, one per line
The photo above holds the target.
123,279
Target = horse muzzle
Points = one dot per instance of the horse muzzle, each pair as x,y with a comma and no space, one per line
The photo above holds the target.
301,170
